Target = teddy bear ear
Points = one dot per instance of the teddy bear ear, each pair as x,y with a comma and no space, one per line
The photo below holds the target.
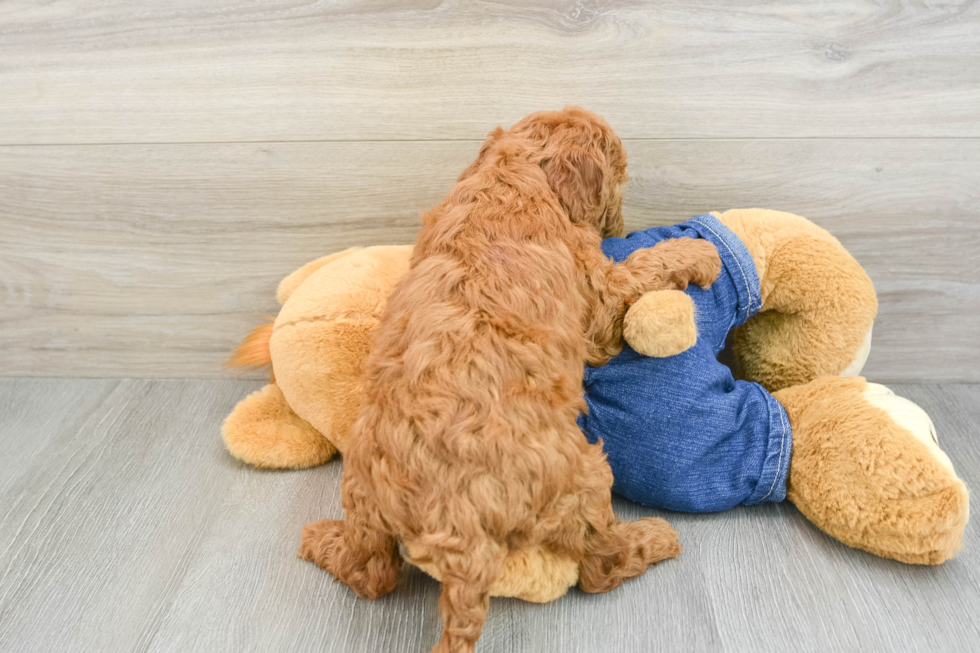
575,175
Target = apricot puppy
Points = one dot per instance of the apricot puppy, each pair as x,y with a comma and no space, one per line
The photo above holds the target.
467,447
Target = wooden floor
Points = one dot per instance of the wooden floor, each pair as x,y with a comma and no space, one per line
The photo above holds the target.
125,526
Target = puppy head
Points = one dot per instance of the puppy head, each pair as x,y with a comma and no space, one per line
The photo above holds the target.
585,164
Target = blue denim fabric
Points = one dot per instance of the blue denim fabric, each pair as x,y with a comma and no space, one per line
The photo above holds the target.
680,432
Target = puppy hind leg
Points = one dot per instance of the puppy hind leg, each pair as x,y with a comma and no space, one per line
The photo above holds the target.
624,550
363,558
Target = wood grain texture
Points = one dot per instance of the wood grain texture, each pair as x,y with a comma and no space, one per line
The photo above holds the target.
155,260
78,71
34,411
128,528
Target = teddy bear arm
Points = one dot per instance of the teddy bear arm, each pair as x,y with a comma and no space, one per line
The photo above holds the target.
816,319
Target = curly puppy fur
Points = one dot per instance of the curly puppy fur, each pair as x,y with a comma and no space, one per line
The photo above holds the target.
467,446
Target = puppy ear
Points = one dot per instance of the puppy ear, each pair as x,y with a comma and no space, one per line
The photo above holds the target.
576,177
487,144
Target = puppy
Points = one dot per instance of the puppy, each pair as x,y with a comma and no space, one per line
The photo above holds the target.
467,446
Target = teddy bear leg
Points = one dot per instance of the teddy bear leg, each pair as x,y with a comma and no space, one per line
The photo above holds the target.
264,431
867,469
816,318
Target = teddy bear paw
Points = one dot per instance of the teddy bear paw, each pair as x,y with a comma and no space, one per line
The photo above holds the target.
661,324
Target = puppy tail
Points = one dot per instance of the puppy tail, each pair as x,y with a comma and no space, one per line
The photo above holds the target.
467,574
254,352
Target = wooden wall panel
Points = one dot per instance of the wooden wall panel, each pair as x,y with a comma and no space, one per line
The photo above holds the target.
137,260
78,71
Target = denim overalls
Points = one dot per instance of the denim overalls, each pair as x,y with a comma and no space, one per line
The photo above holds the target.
680,432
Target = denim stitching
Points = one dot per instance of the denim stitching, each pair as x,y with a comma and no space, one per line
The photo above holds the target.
779,464
748,309
748,289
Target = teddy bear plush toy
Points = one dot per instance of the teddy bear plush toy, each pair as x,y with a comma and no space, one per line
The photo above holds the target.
679,430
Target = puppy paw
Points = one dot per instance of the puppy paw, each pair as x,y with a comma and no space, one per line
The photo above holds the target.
320,541
680,261
704,265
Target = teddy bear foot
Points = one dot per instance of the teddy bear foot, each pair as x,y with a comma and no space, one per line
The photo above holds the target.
867,469
264,431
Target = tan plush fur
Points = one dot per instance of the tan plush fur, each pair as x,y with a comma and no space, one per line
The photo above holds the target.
861,478
467,446
289,285
324,332
265,432
818,303
661,324
534,574
317,346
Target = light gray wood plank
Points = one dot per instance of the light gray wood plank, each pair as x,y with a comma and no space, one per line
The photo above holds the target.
133,530
138,260
247,590
34,411
965,397
310,612
99,528
117,71
112,257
